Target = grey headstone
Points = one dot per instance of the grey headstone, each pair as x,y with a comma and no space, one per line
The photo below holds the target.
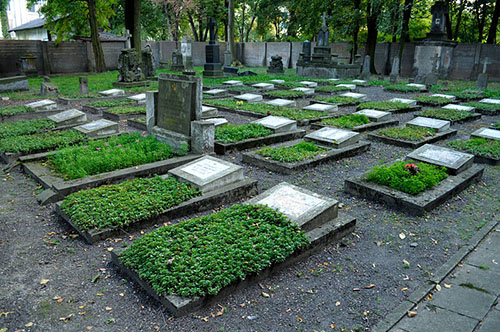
47,89
69,117
374,115
14,83
202,137
365,73
487,133
98,128
349,86
338,138
83,82
359,96
151,109
277,123
322,107
112,93
215,92
438,125
264,86
454,160
482,81
42,105
208,111
394,76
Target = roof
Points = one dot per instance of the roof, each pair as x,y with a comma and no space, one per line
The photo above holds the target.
34,24
105,36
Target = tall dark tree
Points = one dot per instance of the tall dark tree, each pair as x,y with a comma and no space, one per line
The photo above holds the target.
4,22
373,10
404,27
100,65
492,34
133,22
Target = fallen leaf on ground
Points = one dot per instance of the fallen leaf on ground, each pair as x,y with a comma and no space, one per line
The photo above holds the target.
438,288
44,281
356,289
205,319
412,313
447,285
108,308
66,318
402,236
219,313
30,324
337,303
264,294
369,286
404,289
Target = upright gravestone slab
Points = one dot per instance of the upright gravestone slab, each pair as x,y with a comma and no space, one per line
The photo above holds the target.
177,61
212,67
100,127
147,65
487,133
338,138
453,160
69,118
482,79
202,137
394,76
187,55
208,173
365,73
436,124
277,124
42,105
83,82
375,115
48,88
151,110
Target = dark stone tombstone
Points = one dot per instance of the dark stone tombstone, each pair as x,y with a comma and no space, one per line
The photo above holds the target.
177,62
212,67
365,73
394,76
276,65
147,62
28,65
482,79
439,13
129,68
432,77
324,33
83,82
305,55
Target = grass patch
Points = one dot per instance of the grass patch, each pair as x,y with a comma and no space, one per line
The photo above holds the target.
433,100
444,114
294,153
384,105
401,88
411,180
339,100
332,88
41,142
347,121
120,110
484,106
13,110
241,88
408,133
234,133
478,146
25,127
119,205
468,94
379,83
286,94
105,155
110,103
203,255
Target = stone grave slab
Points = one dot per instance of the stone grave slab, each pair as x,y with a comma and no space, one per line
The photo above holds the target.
140,98
338,138
322,107
487,133
349,86
458,107
422,87
215,92
98,128
208,111
405,101
453,160
233,83
450,97
208,173
277,124
306,91
361,82
264,86
490,101
112,93
305,208
282,102
42,105
249,97
217,121
334,79
438,125
277,81
359,96
309,84
375,115
69,117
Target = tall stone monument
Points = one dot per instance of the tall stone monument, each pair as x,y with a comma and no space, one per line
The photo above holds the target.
147,65
212,66
129,67
177,61
187,55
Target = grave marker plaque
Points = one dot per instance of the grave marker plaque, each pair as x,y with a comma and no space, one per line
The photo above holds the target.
453,160
487,133
438,125
277,123
338,138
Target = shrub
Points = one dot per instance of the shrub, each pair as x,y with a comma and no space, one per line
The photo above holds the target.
478,146
294,153
25,127
234,133
408,133
445,114
347,121
41,142
384,105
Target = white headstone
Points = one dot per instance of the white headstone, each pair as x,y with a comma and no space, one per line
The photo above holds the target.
281,102
263,86
490,101
249,97
140,98
438,125
42,105
458,107
112,93
277,123
375,115
410,102
454,160
450,97
337,138
309,84
322,107
233,83
359,96
217,121
487,133
277,81
422,87
98,128
306,91
348,86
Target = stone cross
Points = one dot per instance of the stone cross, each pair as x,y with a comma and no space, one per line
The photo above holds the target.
211,26
128,44
434,59
324,17
485,63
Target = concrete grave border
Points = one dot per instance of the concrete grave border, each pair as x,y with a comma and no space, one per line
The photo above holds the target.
412,144
136,124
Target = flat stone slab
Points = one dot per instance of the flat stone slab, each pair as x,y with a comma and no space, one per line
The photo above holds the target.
362,128
208,111
375,115
413,144
422,87
309,84
69,117
459,107
449,97
304,207
348,86
42,105
455,161
306,91
217,121
277,124
338,138
100,127
358,96
140,98
112,93
281,102
410,102
418,204
438,125
14,83
215,92
277,81
263,86
208,173
233,83
361,82
249,97
487,133
322,107
334,79
490,101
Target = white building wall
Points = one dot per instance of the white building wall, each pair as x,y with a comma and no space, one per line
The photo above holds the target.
18,13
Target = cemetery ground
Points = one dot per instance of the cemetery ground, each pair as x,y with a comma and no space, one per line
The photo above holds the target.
52,280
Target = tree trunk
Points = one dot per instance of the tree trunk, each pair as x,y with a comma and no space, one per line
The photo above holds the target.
100,65
355,33
492,34
459,19
133,22
449,28
371,40
404,27
193,27
230,29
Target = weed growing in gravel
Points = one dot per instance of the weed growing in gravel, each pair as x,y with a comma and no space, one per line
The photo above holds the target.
444,114
407,133
234,133
25,127
41,142
384,105
294,153
478,146
347,121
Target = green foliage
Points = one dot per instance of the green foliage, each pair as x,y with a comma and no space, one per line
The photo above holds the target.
445,114
379,83
41,142
13,110
497,125
105,155
397,176
230,133
483,106
347,101
289,154
408,133
347,121
433,100
25,127
384,105
478,146
402,88
285,94
332,88
110,103
468,94
127,110
119,205
203,255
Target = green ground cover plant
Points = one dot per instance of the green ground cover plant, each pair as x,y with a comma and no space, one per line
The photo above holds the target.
41,142
332,88
25,127
407,176
294,153
379,83
110,103
267,109
110,154
141,119
483,106
433,100
347,121
123,110
445,114
408,133
286,94
384,105
497,125
478,146
401,88
13,110
119,205
241,88
339,100
468,94
203,255
230,133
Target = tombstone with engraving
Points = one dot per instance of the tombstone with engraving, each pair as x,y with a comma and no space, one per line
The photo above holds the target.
212,67
97,128
454,161
69,118
129,68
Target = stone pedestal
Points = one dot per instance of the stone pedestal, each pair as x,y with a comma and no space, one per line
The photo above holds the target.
47,88
424,51
202,137
212,67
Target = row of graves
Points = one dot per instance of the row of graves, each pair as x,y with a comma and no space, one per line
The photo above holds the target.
105,181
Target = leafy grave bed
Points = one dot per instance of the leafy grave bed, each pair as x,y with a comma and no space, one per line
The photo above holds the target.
454,116
361,121
123,112
15,113
484,144
410,136
391,106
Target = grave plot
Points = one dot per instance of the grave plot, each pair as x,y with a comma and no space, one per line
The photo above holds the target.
339,101
452,115
260,110
98,106
359,96
309,84
233,241
468,95
138,123
418,187
215,93
320,146
322,107
420,87
203,184
364,120
402,88
484,144
139,98
351,87
249,98
282,102
121,113
100,161
332,89
263,86
69,118
98,128
286,94
435,100
265,131
395,105
208,112
15,113
486,106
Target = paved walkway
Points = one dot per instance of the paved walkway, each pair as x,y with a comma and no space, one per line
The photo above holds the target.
467,299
